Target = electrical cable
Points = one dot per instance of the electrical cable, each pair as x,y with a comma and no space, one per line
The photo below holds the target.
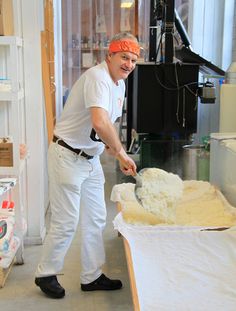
177,83
178,88
183,124
174,88
196,95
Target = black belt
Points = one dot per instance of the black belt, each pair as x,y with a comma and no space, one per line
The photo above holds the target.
81,153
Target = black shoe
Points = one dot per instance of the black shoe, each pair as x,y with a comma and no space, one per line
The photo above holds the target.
50,286
102,283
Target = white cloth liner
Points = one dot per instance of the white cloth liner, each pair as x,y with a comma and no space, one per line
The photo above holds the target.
123,193
230,144
180,268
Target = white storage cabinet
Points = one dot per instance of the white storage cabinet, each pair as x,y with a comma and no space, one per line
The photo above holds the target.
12,123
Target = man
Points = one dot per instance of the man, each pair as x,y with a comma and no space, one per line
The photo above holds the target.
76,179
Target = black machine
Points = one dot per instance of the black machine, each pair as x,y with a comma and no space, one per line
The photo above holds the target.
162,97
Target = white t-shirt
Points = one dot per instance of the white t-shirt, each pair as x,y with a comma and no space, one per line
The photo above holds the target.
95,88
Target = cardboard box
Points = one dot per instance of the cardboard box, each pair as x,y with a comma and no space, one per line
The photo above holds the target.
6,154
6,18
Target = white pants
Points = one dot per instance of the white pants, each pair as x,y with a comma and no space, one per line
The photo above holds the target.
76,188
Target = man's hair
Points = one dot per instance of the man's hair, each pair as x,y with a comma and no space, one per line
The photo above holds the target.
124,35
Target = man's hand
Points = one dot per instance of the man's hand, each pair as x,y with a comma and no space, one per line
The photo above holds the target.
127,165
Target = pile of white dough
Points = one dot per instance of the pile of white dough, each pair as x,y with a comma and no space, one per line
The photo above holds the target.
203,205
160,193
169,200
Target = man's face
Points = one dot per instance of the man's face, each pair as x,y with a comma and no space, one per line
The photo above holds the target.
121,64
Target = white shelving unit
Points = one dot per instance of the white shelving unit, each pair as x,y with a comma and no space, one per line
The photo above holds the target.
12,123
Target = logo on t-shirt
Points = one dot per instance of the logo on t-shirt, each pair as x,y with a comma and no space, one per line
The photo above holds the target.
120,102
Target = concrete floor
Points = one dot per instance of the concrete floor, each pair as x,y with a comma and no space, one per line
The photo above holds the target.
20,293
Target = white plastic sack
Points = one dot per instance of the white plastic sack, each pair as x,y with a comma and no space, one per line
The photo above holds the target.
5,240
8,256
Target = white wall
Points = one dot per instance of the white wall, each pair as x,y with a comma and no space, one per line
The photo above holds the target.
211,35
58,57
234,35
29,29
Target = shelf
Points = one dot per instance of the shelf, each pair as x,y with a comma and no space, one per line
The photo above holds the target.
9,40
6,184
78,67
10,95
11,170
88,49
74,67
12,106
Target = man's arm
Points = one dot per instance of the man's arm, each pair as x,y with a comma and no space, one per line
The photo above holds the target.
108,134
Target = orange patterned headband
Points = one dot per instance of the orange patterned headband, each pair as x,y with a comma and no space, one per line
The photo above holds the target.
124,46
